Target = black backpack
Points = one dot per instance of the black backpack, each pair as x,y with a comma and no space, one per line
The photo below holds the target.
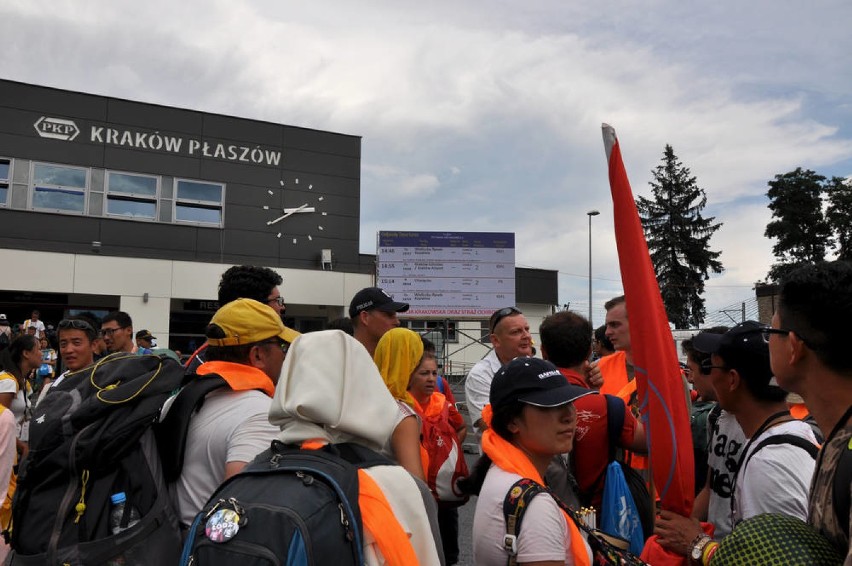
4,341
515,505
91,437
289,506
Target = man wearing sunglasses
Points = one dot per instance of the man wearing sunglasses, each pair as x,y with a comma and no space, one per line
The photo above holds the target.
809,349
247,344
776,464
77,336
510,337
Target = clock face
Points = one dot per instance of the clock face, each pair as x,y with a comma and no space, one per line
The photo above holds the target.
310,204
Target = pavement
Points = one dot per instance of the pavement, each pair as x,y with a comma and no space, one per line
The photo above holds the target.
466,523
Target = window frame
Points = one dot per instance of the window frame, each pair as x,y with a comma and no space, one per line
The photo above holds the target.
133,197
421,325
85,190
7,181
193,203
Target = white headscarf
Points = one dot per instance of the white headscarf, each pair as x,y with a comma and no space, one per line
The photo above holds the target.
331,389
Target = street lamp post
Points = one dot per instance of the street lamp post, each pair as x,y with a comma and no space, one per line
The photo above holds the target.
590,214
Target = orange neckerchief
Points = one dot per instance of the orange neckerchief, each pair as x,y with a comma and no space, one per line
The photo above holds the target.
509,458
239,377
433,407
377,517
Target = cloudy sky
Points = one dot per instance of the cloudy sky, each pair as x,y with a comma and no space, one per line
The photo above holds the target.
485,115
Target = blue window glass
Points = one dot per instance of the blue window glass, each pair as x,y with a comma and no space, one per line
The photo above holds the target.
132,208
56,175
132,184
59,199
5,166
190,213
197,191
4,190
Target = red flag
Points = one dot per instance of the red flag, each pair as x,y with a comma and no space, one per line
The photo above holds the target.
662,400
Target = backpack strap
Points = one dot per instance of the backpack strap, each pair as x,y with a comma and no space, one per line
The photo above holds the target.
515,505
792,439
615,415
172,430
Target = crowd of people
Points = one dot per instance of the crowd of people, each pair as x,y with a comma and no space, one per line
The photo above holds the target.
553,422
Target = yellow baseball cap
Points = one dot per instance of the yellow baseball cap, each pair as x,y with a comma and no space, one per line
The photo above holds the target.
246,321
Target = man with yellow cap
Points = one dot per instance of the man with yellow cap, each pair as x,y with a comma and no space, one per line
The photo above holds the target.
247,344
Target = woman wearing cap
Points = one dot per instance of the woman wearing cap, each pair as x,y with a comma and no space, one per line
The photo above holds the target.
532,418
397,355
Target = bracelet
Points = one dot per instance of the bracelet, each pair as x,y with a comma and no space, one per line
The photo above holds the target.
708,552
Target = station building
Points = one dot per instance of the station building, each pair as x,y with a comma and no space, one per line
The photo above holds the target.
110,204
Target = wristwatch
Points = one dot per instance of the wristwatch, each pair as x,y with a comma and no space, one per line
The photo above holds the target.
698,545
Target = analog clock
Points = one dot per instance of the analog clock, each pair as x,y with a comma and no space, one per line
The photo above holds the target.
311,206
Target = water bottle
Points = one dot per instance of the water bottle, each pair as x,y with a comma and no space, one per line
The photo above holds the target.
119,500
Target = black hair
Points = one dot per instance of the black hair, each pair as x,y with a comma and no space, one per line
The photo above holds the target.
343,323
11,360
247,282
601,338
91,332
428,346
815,302
120,317
566,338
237,354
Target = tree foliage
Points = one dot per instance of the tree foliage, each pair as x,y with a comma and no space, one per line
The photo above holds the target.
802,233
678,240
839,215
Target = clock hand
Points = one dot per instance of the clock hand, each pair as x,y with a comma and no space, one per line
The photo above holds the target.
290,212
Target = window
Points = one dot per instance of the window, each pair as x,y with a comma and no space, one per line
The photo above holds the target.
423,326
199,202
5,179
59,188
131,195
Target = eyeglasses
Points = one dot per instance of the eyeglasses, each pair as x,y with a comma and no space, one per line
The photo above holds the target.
76,324
707,366
110,331
501,314
767,331
285,346
277,300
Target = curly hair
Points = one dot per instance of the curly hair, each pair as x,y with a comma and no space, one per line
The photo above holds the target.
247,282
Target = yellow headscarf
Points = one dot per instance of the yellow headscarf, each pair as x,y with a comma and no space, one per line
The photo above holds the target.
397,355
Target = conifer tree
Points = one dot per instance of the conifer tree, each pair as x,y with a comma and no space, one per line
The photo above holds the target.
839,215
800,228
679,240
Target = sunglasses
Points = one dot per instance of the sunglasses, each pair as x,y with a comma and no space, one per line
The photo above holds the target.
285,346
110,331
707,366
75,324
501,314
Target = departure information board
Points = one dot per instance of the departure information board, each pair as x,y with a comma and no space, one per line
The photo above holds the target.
448,274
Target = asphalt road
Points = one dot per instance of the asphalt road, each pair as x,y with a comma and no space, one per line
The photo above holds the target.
466,523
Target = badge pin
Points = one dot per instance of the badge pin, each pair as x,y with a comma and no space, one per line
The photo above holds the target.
222,525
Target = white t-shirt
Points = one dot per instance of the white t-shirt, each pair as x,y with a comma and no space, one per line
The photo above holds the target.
39,326
777,478
477,386
543,536
726,442
232,426
19,407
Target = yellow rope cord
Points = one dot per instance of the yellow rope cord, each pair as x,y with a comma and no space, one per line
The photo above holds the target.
80,508
116,358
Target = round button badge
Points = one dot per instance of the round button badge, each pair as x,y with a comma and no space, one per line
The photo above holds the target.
223,525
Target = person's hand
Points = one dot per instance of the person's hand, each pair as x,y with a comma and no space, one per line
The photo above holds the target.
676,532
594,377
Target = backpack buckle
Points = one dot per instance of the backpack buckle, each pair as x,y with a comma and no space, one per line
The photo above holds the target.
510,544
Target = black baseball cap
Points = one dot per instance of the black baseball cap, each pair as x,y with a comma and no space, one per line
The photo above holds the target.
374,298
535,382
743,348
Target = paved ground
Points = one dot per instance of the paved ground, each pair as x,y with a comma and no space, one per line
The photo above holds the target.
466,524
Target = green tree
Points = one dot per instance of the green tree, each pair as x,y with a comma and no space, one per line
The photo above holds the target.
799,227
678,240
839,215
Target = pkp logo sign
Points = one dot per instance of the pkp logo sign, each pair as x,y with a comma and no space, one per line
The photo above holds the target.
56,128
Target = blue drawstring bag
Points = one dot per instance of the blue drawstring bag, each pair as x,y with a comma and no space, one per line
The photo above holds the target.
619,516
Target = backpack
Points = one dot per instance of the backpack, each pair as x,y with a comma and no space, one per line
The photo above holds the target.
91,437
289,506
447,464
4,341
515,504
615,415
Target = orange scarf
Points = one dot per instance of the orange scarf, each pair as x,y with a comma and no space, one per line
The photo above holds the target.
239,377
377,517
509,458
